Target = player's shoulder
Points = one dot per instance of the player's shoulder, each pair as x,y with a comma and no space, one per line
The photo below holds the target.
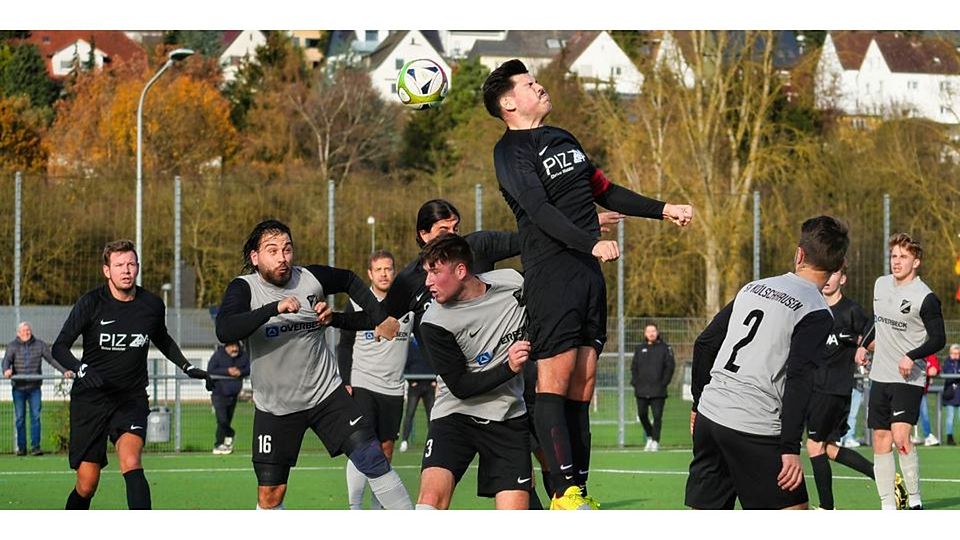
504,277
921,287
149,298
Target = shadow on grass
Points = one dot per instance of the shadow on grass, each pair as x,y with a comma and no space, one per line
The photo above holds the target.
952,502
625,503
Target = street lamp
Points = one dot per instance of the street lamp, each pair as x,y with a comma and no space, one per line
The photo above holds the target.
174,56
372,222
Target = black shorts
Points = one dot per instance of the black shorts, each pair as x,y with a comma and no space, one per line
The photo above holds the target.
504,448
827,417
566,299
893,402
277,439
729,464
381,411
96,415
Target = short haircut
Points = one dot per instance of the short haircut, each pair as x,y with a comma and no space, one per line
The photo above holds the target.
269,226
824,241
380,254
498,83
431,212
447,248
906,242
955,347
118,246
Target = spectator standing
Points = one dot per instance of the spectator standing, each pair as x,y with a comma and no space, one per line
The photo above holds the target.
229,360
651,371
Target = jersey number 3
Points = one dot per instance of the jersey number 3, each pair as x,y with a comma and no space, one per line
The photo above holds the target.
753,321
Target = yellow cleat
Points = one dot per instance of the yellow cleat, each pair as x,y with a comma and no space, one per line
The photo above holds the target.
572,499
900,493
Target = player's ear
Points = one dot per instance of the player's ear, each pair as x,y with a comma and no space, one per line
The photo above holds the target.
916,264
461,271
507,103
843,279
106,271
254,258
799,257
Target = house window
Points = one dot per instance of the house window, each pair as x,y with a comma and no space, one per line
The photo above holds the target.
617,70
912,85
393,88
66,64
945,86
370,35
398,64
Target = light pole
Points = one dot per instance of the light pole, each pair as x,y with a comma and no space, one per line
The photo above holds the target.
175,56
372,222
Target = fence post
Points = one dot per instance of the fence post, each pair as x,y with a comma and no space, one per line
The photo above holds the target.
331,335
621,341
756,235
17,220
478,206
178,436
886,234
177,261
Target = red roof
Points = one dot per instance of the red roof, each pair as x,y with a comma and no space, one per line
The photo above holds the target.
114,43
902,53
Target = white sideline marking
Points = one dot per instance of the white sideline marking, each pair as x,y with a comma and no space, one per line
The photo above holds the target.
340,468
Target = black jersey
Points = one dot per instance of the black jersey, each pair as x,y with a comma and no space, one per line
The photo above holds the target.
116,337
409,289
834,375
550,185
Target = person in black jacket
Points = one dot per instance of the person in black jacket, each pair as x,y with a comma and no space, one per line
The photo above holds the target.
229,360
650,374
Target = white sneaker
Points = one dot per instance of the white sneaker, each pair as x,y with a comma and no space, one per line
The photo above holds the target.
222,449
931,440
915,440
851,443
228,441
646,447
403,446
654,446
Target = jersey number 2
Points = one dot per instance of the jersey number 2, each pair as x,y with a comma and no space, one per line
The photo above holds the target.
753,321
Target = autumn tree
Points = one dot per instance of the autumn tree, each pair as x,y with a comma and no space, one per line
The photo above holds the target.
22,147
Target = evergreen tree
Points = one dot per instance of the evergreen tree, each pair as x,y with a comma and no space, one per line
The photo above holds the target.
24,72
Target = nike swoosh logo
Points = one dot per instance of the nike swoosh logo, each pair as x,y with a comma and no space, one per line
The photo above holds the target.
419,296
812,432
355,420
566,467
132,427
523,480
842,335
583,472
544,151
475,332
898,413
104,323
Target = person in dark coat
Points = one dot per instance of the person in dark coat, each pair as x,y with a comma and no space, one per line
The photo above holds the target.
228,360
951,390
650,374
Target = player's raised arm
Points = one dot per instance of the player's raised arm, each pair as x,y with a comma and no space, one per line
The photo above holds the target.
235,320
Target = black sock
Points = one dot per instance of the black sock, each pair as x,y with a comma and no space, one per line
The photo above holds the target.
535,503
76,502
855,461
138,490
551,424
824,480
578,422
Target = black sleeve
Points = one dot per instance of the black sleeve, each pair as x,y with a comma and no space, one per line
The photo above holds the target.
243,363
869,334
519,178
635,367
164,342
400,297
621,199
235,320
338,280
345,349
669,365
493,246
705,350
215,365
443,352
73,327
807,345
932,316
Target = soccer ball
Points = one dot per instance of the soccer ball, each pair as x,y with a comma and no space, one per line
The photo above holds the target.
422,84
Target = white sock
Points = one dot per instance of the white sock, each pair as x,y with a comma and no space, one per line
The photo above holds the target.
389,490
356,484
910,466
425,507
278,507
885,472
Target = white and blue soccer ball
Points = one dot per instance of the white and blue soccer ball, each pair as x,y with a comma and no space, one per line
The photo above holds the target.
422,84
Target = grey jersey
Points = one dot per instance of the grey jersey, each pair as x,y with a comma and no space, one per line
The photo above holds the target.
484,328
898,327
378,366
292,369
746,385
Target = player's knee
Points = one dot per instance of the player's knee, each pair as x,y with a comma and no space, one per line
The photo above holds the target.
433,498
363,449
271,475
130,462
269,497
87,487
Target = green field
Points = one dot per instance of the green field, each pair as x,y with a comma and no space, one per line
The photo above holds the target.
620,478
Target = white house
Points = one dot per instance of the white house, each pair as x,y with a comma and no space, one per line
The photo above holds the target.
241,45
459,43
398,48
670,54
63,48
535,48
890,75
599,63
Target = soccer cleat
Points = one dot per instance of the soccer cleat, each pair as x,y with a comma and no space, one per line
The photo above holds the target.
852,443
900,492
222,449
931,440
917,507
572,499
654,446
403,446
594,504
